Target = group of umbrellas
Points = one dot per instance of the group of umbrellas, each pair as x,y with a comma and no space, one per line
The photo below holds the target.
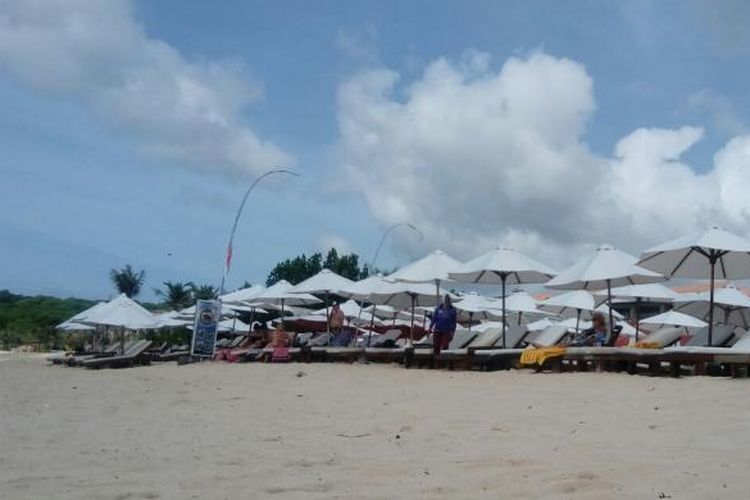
604,275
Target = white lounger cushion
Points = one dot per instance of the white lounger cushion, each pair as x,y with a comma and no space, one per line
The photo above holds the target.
552,335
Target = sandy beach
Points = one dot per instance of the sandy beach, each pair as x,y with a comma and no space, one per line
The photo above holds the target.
354,431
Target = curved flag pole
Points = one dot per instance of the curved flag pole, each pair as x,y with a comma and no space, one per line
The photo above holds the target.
228,261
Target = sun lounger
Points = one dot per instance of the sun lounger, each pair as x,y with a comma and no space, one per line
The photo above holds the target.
552,335
461,339
348,354
721,336
112,350
663,337
71,358
391,336
320,340
134,355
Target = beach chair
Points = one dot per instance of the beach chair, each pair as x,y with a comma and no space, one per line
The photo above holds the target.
461,339
721,336
112,350
461,358
661,338
70,359
320,340
134,355
387,339
701,357
550,336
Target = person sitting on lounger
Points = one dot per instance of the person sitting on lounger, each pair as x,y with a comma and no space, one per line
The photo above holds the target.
280,338
443,325
596,335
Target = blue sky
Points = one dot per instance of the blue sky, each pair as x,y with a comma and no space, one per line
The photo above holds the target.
83,191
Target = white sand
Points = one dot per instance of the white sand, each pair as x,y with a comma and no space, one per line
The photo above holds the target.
259,431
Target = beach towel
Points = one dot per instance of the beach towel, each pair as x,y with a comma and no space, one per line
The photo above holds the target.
538,355
644,344
280,355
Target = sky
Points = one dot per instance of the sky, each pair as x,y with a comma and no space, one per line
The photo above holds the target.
130,130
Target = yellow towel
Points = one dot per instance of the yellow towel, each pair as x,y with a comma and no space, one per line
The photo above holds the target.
648,345
532,355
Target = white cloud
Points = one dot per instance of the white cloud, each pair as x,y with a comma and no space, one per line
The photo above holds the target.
96,53
329,240
478,157
720,109
359,45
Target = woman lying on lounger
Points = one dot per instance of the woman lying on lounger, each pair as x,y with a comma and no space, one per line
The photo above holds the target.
594,336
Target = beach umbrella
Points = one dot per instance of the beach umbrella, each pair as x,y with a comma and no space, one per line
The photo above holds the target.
238,297
521,303
282,294
730,300
502,266
673,318
474,306
325,282
646,292
71,326
705,254
605,268
402,295
433,268
576,301
124,313
81,316
541,324
171,319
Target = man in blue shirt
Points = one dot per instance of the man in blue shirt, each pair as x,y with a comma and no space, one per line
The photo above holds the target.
443,325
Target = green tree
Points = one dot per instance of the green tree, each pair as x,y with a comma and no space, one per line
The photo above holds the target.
127,280
302,267
32,320
203,292
176,295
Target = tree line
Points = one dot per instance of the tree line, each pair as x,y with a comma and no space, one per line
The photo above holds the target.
32,320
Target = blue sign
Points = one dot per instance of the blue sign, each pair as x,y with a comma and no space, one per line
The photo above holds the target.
205,326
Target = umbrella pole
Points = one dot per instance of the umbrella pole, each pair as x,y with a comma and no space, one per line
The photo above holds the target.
503,278
637,316
609,302
122,341
328,317
411,332
712,259
471,320
578,321
372,325
437,293
282,314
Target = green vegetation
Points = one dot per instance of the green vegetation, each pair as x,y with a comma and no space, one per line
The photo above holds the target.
302,267
32,320
127,280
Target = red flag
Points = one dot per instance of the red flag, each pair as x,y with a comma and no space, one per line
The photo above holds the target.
228,263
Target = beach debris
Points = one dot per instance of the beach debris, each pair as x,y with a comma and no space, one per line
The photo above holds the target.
353,436
300,374
398,436
664,495
656,408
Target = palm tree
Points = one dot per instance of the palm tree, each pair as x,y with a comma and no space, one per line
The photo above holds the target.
203,292
127,280
176,295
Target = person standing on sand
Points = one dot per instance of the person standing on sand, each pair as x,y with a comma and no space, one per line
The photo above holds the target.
443,325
